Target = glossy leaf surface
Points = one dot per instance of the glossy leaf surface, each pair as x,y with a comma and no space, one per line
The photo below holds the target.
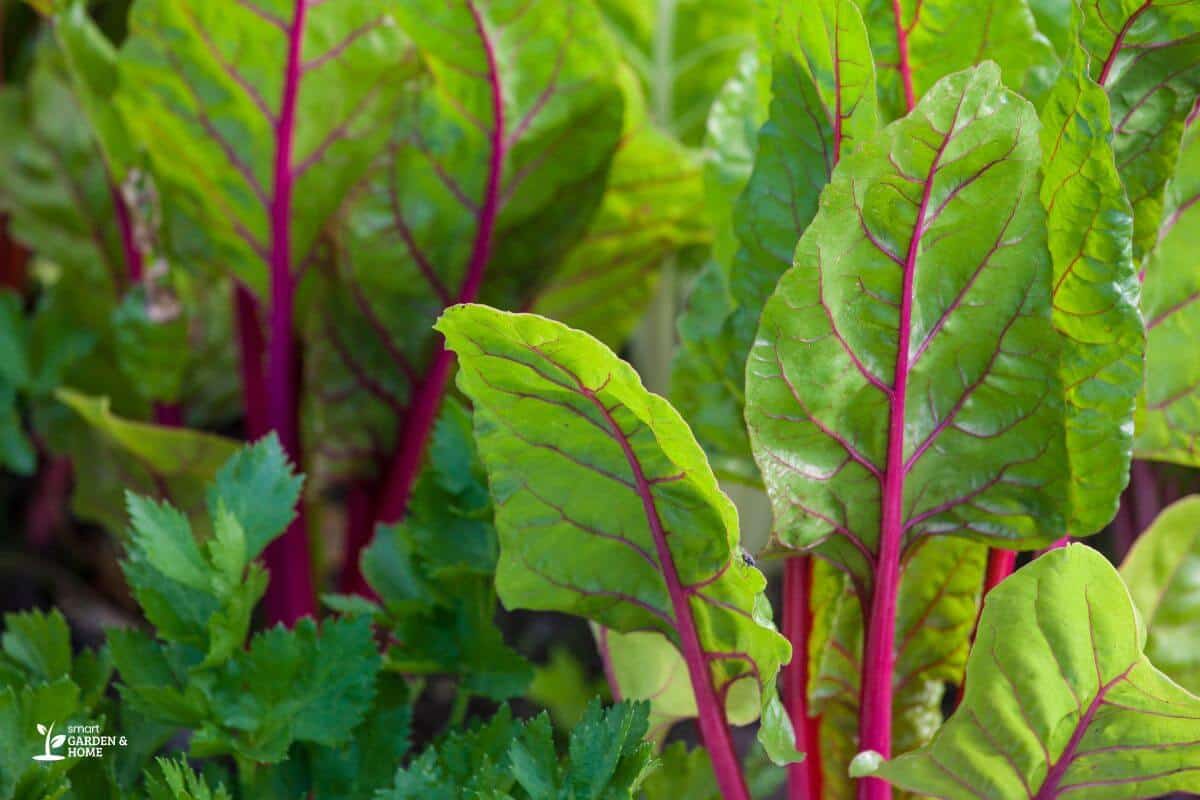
1061,700
932,311
1095,292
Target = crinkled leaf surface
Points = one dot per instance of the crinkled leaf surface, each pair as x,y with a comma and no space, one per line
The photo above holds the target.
939,38
587,467
1162,572
202,87
930,244
1146,55
1061,700
1168,417
1095,294
495,167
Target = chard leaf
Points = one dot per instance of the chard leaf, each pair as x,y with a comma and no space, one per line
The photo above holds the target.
1095,295
930,39
1168,416
203,84
651,209
682,51
938,604
498,156
587,467
1070,707
1146,55
822,104
1162,572
908,346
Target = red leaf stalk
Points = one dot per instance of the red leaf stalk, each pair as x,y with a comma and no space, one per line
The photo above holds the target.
804,779
291,594
414,433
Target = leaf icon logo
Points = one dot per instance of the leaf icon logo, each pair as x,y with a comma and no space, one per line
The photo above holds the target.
52,742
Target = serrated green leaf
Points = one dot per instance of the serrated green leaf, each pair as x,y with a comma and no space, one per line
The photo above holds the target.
178,782
1162,572
930,242
1168,415
292,685
1095,295
163,537
259,487
1060,698
40,642
587,467
1144,53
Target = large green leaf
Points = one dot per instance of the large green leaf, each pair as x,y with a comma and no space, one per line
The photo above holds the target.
935,38
1168,418
203,85
1146,55
1095,292
495,168
822,105
586,467
1163,574
1061,700
920,295
683,51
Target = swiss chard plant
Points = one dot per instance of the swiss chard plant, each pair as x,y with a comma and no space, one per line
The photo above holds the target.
936,267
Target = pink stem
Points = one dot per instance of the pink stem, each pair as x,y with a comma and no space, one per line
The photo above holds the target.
133,255
714,727
804,779
902,62
290,595
1000,565
360,525
1143,484
168,414
875,702
47,507
251,350
418,422
610,673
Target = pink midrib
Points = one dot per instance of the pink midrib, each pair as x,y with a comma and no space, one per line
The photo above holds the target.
875,730
902,56
1050,786
427,399
291,594
1119,42
714,727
